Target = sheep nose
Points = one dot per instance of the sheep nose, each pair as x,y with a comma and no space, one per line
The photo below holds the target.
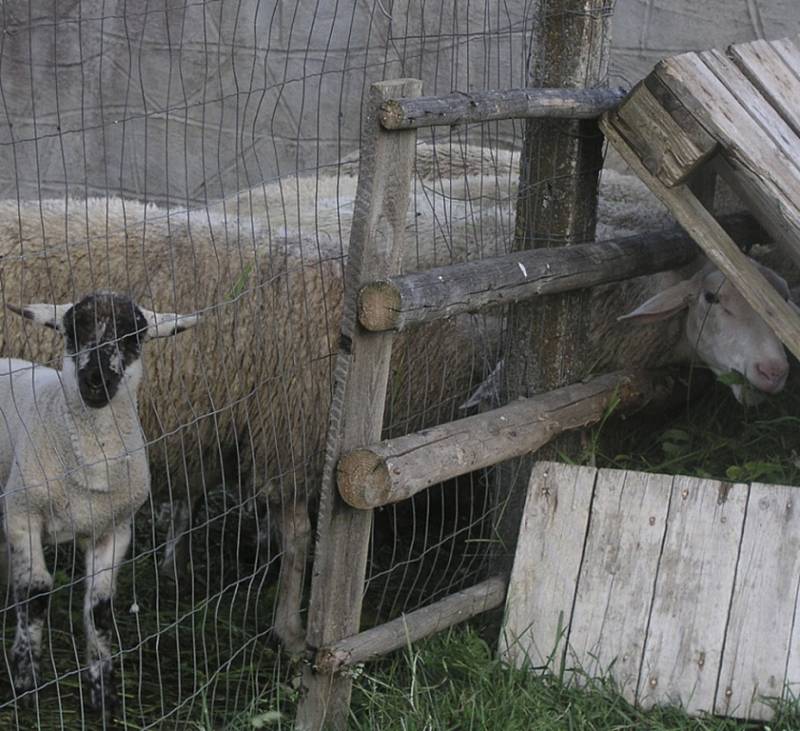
773,372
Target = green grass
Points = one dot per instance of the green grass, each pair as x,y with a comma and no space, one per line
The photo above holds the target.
453,682
713,436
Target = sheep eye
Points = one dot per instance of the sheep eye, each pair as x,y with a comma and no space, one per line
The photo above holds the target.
711,298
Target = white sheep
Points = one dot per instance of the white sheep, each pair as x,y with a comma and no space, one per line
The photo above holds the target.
73,466
249,401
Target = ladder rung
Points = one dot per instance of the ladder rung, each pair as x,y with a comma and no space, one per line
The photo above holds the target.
402,301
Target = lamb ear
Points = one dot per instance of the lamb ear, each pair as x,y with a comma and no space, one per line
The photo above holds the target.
665,304
164,324
43,314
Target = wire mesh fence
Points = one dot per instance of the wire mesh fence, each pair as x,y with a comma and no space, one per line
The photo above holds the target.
202,158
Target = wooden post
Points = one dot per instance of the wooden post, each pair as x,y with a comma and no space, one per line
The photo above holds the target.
557,206
356,417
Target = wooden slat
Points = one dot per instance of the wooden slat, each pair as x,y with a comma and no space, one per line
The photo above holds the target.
761,149
767,70
759,633
662,145
615,589
546,565
721,249
692,595
356,417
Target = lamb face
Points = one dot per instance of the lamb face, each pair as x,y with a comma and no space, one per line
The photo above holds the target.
103,336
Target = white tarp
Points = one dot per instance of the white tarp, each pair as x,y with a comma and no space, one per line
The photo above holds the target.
178,101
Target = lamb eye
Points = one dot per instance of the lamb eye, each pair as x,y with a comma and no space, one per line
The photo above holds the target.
711,298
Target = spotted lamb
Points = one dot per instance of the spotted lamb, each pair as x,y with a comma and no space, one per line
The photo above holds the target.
74,466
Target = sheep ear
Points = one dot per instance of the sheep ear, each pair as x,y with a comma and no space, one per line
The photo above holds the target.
665,304
164,324
43,314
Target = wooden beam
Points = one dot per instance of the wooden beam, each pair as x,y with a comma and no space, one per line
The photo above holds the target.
760,150
398,303
720,248
396,469
356,415
665,149
414,626
485,106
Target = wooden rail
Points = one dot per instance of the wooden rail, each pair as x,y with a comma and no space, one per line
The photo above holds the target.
485,106
397,303
396,469
416,625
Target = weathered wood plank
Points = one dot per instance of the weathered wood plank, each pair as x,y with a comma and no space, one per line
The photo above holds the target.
615,588
396,469
759,634
721,249
414,626
356,416
766,69
693,589
664,148
486,106
760,148
546,566
401,302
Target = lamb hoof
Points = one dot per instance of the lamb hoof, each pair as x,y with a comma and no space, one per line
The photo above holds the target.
24,674
103,694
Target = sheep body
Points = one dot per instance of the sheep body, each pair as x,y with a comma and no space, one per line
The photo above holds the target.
249,399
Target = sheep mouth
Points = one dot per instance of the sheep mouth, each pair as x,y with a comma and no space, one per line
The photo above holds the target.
97,398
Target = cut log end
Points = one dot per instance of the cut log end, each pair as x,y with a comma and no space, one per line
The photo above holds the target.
379,306
391,114
363,479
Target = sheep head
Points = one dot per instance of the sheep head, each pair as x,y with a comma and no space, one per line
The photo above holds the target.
723,331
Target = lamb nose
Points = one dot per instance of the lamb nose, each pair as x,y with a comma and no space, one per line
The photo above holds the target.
773,371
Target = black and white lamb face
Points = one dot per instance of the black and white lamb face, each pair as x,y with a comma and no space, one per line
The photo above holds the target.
104,334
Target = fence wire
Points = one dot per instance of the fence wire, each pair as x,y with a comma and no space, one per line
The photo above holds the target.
202,157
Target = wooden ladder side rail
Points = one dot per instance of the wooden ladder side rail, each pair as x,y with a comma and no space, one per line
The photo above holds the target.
356,415
404,301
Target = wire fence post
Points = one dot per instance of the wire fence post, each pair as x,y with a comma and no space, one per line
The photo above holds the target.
557,206
356,418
